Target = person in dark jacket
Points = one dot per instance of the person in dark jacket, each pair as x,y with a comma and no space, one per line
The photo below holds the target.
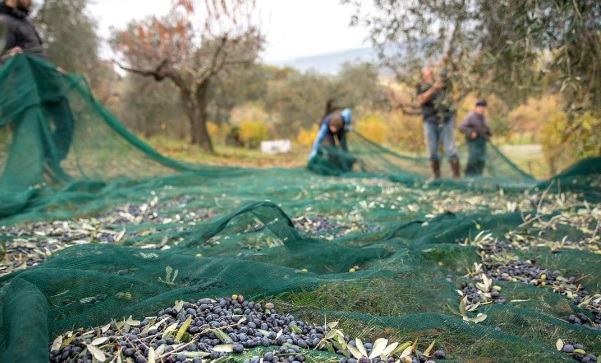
19,32
439,120
477,134
19,35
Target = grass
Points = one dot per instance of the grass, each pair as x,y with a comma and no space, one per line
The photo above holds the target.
228,155
528,157
389,303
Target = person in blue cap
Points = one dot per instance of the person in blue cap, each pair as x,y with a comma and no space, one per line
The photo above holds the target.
477,134
332,131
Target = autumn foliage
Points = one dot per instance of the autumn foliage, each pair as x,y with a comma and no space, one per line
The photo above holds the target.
196,43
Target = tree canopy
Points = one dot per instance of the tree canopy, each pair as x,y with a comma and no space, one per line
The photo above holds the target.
503,47
176,48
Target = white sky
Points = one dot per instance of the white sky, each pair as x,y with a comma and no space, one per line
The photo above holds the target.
293,28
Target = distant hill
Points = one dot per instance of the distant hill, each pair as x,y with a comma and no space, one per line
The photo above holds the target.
329,63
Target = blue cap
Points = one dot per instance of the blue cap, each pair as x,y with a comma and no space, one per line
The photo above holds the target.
346,115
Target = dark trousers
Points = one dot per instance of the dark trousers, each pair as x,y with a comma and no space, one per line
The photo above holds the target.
476,157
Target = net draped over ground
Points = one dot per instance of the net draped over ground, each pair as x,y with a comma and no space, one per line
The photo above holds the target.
291,235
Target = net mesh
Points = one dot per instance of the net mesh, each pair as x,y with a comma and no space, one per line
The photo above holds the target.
368,240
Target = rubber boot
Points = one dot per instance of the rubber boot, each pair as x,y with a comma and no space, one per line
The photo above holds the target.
455,168
435,164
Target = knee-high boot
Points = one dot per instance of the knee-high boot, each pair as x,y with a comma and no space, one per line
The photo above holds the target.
455,168
435,164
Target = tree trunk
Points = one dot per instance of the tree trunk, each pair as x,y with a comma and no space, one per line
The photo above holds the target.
196,107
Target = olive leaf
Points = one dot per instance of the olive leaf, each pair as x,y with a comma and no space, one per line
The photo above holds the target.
183,329
151,355
105,328
98,341
179,305
388,351
149,325
341,346
378,347
70,338
356,353
225,348
161,349
196,354
169,280
56,345
296,329
486,284
330,348
132,322
559,345
170,329
332,333
97,353
361,347
479,318
157,325
407,352
473,307
401,348
221,336
120,236
428,351
462,308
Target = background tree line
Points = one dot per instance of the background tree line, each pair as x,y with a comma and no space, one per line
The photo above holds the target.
196,75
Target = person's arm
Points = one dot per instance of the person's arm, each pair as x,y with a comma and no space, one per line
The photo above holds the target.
323,131
466,126
10,47
348,126
343,144
426,96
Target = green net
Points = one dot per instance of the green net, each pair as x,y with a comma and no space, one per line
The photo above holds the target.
99,227
366,158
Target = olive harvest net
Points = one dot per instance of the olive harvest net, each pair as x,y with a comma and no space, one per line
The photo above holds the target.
102,237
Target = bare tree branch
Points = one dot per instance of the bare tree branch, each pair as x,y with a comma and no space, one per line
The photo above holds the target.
157,73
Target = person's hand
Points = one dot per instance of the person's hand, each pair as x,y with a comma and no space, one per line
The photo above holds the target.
474,135
61,70
14,51
438,85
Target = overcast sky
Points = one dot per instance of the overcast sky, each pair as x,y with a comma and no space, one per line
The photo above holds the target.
294,28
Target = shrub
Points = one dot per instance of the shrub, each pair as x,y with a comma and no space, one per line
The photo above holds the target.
253,132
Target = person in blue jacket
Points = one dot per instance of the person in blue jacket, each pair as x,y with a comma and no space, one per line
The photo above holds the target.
332,131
